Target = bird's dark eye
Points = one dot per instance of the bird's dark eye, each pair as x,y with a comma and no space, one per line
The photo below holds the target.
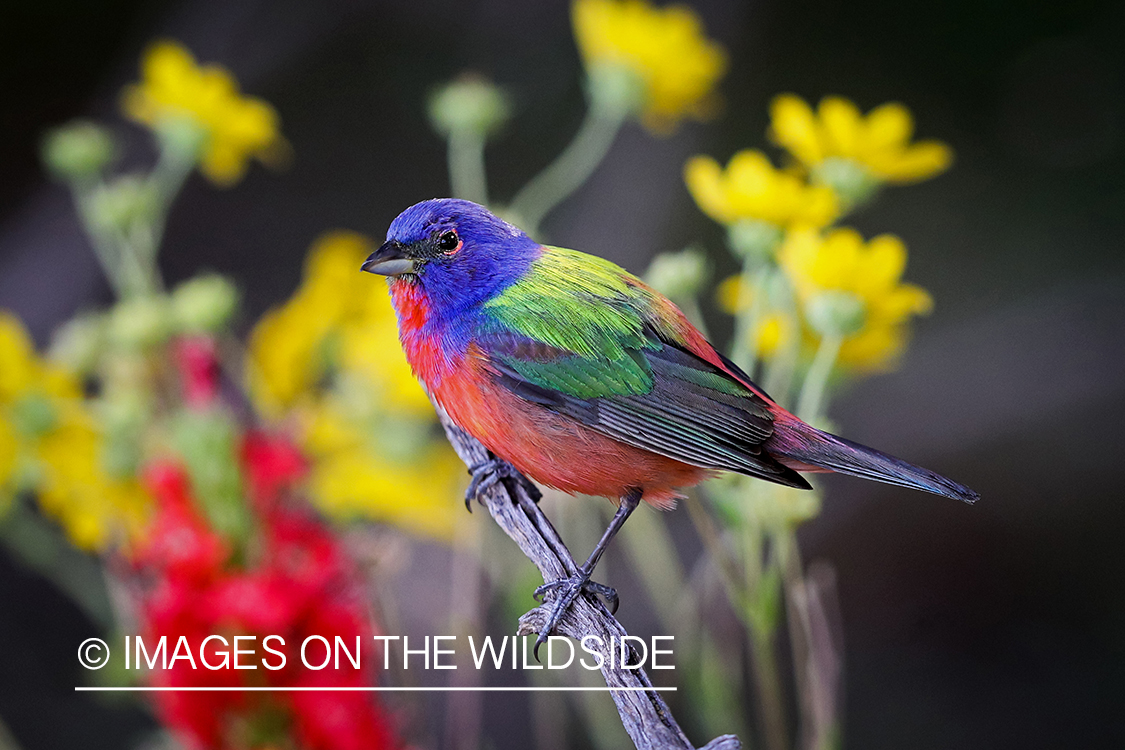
448,241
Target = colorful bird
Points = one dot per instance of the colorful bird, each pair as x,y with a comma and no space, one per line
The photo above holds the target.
584,379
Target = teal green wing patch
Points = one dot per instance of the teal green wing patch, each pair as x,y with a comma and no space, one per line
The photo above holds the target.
576,303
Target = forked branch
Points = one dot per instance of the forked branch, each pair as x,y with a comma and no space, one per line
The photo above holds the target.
644,713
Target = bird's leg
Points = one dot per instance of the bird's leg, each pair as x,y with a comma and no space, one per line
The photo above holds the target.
489,472
568,589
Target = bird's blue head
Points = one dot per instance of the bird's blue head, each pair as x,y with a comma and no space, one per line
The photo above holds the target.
458,252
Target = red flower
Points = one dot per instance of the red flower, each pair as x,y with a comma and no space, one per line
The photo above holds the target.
272,464
293,580
198,363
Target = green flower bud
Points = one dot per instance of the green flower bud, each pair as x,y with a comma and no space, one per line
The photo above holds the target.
204,304
853,183
79,342
140,322
34,415
123,203
836,313
470,103
751,239
617,89
78,151
678,275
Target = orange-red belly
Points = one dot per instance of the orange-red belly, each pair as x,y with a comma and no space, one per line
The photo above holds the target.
555,450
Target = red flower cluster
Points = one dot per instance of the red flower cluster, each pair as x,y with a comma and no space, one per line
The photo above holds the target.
291,580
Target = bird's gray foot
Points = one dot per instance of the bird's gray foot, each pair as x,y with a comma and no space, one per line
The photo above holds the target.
565,592
491,471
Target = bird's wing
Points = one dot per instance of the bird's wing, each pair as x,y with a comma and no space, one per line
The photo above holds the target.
586,340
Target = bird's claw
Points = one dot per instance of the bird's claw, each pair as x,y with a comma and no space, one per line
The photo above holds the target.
489,472
566,591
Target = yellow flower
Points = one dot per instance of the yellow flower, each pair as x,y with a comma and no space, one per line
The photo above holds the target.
853,153
50,443
664,48
751,189
236,128
840,266
329,361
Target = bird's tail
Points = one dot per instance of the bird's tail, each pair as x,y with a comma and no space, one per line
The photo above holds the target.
803,447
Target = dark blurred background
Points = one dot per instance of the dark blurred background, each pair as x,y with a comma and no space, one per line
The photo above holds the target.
995,626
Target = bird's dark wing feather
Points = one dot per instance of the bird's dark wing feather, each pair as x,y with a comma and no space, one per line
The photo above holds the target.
658,397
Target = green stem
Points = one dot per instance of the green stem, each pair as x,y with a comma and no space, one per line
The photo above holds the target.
467,177
768,682
779,378
42,548
570,169
816,381
105,249
752,285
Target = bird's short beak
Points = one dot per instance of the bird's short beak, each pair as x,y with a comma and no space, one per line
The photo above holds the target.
388,260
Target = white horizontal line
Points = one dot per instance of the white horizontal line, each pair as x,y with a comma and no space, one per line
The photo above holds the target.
503,689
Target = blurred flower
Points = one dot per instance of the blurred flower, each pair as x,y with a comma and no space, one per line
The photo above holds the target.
329,362
50,443
297,582
176,96
855,289
664,50
751,189
851,153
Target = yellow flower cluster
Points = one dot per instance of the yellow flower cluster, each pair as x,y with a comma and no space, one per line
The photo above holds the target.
49,443
665,48
800,278
752,189
878,143
868,275
329,363
236,128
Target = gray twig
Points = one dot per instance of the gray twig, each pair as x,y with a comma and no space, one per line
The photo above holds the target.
644,714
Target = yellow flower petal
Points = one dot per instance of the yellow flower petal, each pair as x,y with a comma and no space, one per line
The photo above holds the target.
793,126
842,126
919,162
752,189
888,126
18,368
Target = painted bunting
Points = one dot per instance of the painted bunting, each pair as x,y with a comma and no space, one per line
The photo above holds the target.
584,379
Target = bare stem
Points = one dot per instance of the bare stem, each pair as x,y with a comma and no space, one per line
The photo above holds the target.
467,178
570,169
812,393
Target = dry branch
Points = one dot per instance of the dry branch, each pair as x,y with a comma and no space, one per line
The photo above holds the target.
644,714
